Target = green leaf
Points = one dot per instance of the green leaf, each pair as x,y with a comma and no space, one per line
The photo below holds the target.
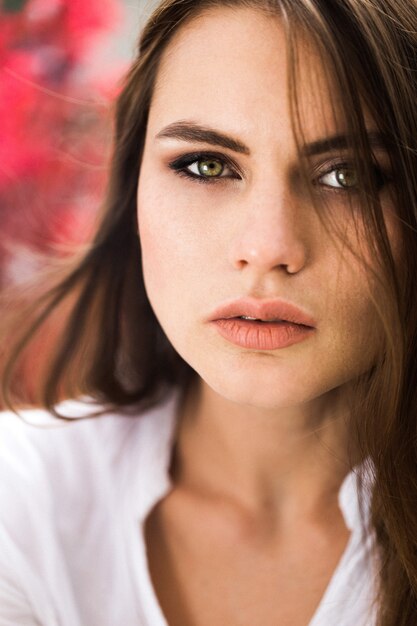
13,6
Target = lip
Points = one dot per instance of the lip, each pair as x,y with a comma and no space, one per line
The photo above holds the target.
266,310
262,335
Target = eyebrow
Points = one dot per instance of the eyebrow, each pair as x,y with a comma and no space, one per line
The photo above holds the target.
192,132
189,131
342,142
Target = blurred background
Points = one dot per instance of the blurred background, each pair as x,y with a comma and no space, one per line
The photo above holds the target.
61,62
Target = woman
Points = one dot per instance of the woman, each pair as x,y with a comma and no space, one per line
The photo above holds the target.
246,319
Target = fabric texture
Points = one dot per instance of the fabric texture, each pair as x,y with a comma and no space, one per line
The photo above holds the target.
73,501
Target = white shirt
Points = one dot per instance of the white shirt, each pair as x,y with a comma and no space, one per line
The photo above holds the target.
73,500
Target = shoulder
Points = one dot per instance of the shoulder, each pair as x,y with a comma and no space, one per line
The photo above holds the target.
63,486
46,482
37,449
34,438
66,470
43,459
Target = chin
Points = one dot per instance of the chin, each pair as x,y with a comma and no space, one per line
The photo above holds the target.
260,379
247,387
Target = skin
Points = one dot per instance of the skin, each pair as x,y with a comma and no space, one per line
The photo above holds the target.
261,446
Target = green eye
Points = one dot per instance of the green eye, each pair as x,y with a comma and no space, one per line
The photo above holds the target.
205,168
210,167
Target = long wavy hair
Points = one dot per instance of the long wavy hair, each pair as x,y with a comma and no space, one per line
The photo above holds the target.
114,350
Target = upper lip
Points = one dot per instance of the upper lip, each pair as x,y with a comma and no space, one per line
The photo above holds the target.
266,310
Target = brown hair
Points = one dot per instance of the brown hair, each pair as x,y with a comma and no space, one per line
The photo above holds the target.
113,347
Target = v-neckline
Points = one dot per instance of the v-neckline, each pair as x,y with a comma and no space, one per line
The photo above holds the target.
155,442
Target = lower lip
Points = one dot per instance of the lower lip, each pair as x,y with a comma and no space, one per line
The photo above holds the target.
262,335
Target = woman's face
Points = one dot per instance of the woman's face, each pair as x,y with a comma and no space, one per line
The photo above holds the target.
242,224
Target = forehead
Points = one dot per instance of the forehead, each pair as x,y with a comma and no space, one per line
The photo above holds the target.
229,67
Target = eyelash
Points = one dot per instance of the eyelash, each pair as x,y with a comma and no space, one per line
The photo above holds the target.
179,166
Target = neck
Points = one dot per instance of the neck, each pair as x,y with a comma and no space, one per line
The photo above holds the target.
282,464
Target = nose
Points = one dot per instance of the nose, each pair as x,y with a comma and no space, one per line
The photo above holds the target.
273,234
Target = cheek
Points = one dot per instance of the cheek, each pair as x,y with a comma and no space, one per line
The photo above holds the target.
395,237
170,258
154,256
160,239
174,233
356,331
158,258
160,268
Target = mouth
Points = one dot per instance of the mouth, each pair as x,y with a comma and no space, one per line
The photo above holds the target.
255,320
258,334
263,312
262,325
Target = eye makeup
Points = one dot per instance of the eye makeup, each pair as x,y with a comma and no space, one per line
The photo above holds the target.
333,178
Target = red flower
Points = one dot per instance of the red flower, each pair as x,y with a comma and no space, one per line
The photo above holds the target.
55,128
